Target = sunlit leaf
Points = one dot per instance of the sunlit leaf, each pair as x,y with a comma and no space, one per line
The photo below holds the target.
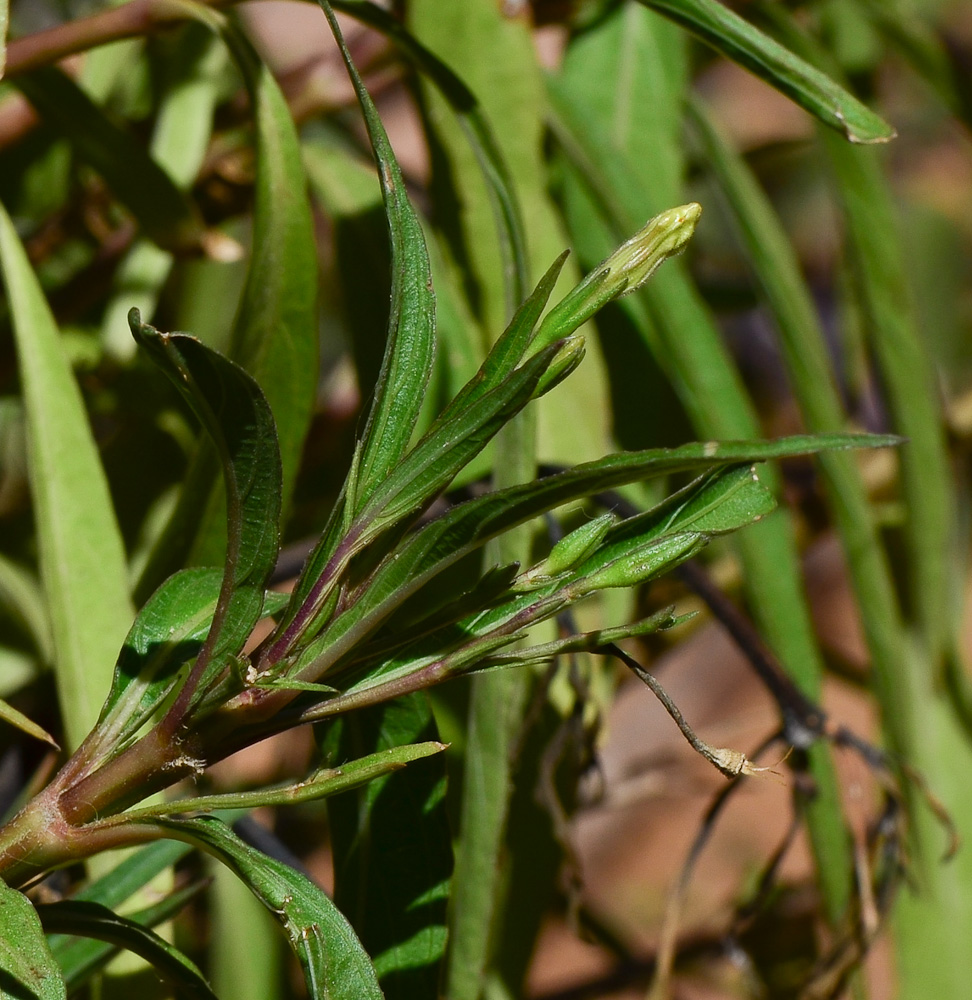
335,965
82,558
778,66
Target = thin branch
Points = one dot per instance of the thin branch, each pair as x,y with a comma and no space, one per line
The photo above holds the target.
129,20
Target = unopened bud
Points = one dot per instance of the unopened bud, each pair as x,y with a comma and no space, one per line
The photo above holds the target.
571,550
628,268
570,355
644,562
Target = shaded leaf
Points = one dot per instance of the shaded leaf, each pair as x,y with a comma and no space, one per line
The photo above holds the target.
393,849
235,414
80,958
22,593
87,919
27,967
164,212
275,334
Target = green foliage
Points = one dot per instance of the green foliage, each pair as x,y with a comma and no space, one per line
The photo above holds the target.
165,491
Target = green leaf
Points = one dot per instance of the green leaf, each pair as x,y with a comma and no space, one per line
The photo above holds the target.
450,444
508,350
132,873
335,965
80,957
235,414
588,641
87,919
82,558
410,345
23,595
634,550
10,715
321,784
393,849
275,335
27,967
497,60
778,66
479,135
467,424
169,631
165,213
420,477
442,542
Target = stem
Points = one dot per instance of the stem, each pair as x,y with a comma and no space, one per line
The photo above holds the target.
129,20
40,837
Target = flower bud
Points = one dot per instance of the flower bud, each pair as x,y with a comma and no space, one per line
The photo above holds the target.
570,355
569,551
628,268
644,562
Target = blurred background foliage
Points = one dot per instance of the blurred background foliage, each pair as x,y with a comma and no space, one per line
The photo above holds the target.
828,287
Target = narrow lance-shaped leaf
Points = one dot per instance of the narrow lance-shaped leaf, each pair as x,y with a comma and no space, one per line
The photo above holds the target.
82,557
410,348
235,414
320,784
80,957
275,335
335,965
470,524
645,547
93,920
165,213
456,437
169,631
630,551
778,66
424,473
18,720
27,967
478,132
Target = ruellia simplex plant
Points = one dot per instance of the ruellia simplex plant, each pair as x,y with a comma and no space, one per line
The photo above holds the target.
393,599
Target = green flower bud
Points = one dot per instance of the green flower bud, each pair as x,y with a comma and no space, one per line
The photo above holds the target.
570,355
628,268
569,551
644,562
